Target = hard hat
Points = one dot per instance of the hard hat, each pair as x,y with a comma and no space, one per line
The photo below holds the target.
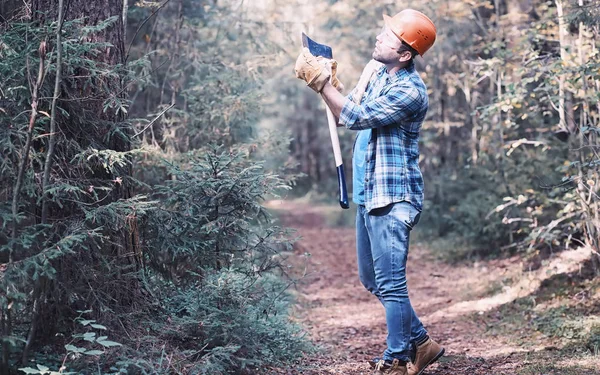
414,28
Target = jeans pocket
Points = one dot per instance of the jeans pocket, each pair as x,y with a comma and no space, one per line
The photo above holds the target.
407,214
382,211
403,211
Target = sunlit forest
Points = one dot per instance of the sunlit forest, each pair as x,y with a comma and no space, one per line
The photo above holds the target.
169,197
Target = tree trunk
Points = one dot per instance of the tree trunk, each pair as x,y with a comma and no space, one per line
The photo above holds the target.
567,117
84,100
89,125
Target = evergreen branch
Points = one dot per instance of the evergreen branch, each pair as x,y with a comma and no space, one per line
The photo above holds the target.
125,88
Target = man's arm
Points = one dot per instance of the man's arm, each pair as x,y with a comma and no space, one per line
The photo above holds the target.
361,87
400,103
334,100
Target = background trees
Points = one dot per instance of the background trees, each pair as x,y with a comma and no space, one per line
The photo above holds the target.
508,147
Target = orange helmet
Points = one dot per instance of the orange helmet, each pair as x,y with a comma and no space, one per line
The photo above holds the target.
414,28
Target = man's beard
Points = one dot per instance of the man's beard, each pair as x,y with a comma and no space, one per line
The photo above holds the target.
377,57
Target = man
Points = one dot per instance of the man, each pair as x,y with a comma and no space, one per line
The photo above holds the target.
388,185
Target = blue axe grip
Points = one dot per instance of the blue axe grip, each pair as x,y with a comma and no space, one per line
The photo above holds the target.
342,184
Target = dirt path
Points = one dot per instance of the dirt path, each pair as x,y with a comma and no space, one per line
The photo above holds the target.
454,303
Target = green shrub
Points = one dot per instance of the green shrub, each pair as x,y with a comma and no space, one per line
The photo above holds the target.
241,323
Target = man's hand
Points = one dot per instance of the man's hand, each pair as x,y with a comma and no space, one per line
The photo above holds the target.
317,71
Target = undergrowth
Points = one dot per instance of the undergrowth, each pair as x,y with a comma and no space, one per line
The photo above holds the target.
560,312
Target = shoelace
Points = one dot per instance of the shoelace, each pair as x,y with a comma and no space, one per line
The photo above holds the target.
379,365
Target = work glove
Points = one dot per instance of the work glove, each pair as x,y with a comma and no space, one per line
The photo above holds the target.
334,79
316,71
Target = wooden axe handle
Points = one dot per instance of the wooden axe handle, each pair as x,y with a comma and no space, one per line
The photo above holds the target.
364,80
361,87
337,154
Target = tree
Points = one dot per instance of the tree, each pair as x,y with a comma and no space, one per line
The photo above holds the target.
82,162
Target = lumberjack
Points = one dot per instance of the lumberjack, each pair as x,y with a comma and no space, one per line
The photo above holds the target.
387,109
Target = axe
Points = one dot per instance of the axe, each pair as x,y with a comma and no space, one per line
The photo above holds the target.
317,49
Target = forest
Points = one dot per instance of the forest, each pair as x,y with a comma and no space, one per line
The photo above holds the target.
168,190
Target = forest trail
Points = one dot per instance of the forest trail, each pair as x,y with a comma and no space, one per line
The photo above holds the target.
458,304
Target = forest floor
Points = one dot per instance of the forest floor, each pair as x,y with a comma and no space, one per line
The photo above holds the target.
493,317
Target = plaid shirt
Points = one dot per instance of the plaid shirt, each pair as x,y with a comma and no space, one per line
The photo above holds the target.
393,109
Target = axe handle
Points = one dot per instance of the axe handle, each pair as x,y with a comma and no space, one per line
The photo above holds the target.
337,154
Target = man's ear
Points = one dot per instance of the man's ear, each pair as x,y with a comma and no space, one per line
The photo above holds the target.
404,56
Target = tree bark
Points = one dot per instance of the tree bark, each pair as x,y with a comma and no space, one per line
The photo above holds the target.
95,12
565,106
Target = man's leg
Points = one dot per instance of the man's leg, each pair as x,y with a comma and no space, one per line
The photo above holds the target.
364,257
418,333
389,230
366,272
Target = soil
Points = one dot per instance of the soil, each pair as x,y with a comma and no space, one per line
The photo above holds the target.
459,305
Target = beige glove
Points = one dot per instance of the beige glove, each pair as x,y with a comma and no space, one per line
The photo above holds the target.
309,69
332,65
316,71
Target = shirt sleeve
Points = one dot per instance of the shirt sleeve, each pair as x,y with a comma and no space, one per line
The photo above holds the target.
350,96
400,103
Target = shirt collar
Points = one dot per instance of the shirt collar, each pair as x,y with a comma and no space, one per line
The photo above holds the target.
400,75
403,73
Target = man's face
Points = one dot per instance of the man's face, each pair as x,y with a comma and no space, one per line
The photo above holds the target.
386,47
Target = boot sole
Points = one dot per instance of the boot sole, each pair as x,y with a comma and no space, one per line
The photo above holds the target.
440,354
372,364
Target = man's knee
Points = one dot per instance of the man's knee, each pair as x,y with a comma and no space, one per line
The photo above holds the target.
369,284
394,292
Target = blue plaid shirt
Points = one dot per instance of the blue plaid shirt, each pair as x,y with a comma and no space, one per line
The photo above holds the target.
392,110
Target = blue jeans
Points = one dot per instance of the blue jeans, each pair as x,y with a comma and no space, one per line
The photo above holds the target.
382,238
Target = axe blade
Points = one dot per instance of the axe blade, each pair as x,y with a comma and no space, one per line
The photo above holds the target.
316,49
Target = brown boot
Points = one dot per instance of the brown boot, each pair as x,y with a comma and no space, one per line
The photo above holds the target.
394,368
426,354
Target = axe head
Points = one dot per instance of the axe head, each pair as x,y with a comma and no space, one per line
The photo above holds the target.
316,49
